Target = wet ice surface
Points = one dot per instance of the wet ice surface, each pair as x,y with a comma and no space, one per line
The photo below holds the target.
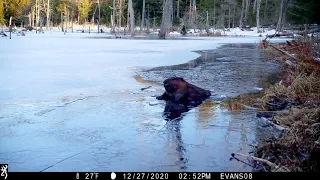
229,71
71,104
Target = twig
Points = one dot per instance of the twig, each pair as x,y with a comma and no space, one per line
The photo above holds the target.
272,165
315,124
249,107
275,112
257,159
282,51
145,88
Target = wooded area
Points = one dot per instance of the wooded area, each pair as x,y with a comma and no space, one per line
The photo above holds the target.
201,14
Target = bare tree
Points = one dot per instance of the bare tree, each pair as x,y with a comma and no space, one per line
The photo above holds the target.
166,19
143,12
258,14
38,13
190,12
194,11
229,16
214,13
48,16
222,14
265,12
128,17
246,12
242,13
99,16
178,4
283,9
113,14
234,14
120,13
37,7
131,18
32,16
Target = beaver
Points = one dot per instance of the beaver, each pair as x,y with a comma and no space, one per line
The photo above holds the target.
181,96
181,92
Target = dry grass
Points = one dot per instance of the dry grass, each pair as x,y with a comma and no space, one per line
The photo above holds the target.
299,149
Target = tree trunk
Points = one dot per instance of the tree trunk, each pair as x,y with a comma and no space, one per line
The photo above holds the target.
78,18
194,13
166,19
222,15
62,22
229,17
99,16
190,13
66,20
258,15
128,18
10,22
283,8
48,16
207,20
214,13
32,17
178,13
148,19
131,18
246,12
172,13
29,18
143,12
10,28
254,5
113,14
265,12
233,17
72,17
120,13
154,19
36,13
242,13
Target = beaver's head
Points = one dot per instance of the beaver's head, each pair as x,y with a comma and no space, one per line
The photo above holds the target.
173,84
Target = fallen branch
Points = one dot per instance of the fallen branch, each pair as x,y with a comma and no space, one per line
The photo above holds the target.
283,52
272,165
145,88
278,35
276,112
249,107
315,124
275,125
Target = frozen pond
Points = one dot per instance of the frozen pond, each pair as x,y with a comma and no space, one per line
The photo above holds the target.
73,103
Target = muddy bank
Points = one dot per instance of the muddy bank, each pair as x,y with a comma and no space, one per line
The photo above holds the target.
228,71
297,94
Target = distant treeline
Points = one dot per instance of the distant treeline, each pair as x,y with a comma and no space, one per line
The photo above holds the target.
192,13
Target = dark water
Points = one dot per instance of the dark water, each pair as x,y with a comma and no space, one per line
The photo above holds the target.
218,129
230,70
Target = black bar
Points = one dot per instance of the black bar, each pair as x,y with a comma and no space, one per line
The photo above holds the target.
159,175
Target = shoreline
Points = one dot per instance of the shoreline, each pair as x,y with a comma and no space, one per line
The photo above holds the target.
293,109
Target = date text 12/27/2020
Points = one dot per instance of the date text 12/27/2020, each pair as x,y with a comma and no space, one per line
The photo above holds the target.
186,176
156,176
